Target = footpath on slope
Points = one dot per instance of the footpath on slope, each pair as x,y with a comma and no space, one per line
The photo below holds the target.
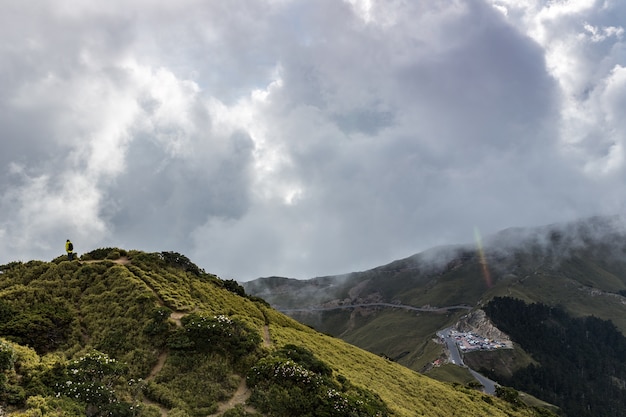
242,393
120,261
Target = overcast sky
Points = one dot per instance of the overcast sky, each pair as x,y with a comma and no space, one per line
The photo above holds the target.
304,138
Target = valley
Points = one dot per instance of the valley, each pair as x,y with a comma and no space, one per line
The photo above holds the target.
395,310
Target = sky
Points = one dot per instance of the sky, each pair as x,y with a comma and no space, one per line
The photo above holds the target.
304,138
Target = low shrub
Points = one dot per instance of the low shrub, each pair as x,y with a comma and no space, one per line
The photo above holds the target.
162,395
45,325
101,254
92,380
291,381
181,261
7,356
230,337
113,255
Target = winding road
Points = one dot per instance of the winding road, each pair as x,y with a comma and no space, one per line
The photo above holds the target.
456,358
347,306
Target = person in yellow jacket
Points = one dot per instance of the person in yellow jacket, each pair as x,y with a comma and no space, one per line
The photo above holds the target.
69,248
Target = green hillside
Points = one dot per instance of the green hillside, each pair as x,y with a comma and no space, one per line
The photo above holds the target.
580,266
119,333
395,310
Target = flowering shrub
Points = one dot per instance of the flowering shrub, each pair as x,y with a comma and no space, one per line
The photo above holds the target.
7,360
7,356
284,384
91,380
284,372
158,327
216,334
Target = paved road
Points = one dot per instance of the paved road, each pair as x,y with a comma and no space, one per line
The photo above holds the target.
488,385
455,355
456,358
403,306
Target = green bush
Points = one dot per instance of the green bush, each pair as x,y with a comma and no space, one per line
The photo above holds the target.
13,394
113,255
238,411
177,412
291,381
181,261
7,356
158,326
104,253
234,287
10,266
45,325
51,407
162,395
230,337
92,380
307,359
150,411
508,394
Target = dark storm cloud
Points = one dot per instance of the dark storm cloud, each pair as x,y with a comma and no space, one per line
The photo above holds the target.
163,198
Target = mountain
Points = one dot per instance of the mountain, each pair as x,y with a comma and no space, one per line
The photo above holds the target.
128,333
396,310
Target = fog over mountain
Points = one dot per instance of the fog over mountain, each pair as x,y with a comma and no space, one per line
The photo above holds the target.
298,138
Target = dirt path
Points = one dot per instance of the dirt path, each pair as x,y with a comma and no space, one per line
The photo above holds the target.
243,392
153,373
176,316
267,340
120,261
157,368
240,397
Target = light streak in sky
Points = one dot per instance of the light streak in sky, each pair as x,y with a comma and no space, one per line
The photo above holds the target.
482,259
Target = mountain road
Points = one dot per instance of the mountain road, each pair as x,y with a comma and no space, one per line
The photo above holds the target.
346,306
489,386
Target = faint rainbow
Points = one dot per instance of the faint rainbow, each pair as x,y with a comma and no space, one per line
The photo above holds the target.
482,259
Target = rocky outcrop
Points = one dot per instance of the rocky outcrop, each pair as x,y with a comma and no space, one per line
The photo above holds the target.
477,322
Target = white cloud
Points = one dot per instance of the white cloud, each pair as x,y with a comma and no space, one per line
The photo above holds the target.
304,138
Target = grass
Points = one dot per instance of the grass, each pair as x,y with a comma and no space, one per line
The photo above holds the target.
505,361
560,289
406,392
452,373
401,335
119,310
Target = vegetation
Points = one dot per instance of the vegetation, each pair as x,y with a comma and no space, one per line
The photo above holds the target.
291,381
128,333
576,356
580,267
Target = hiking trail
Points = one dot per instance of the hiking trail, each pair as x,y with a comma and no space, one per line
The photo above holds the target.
120,261
241,395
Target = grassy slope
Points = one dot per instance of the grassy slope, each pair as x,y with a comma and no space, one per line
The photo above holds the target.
111,305
585,281
406,392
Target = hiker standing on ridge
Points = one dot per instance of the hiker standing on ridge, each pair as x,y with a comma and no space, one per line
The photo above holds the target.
69,248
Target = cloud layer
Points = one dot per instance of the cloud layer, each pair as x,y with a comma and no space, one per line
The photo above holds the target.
296,138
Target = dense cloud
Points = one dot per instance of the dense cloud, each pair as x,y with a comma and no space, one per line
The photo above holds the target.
287,137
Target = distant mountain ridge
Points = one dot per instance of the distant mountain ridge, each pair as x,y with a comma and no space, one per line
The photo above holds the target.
507,254
579,266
